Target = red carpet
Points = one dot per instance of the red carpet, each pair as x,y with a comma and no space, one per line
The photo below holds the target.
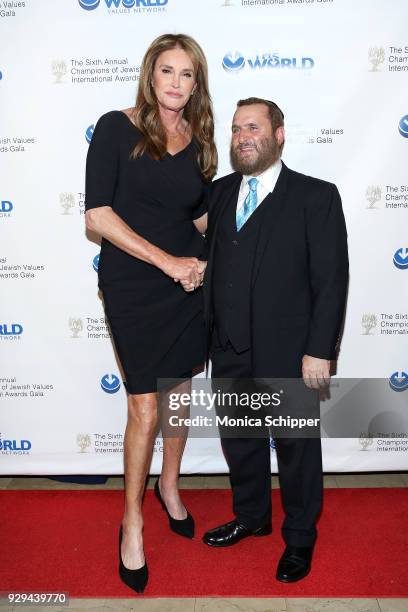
67,541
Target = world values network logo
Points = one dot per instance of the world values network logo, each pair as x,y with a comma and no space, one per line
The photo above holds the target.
12,446
234,62
91,5
10,331
95,262
89,133
400,258
403,126
6,208
399,381
110,383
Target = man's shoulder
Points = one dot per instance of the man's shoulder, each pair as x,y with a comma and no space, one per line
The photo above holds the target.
312,192
311,183
225,182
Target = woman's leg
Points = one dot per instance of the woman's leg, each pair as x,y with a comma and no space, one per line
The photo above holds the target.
173,448
138,444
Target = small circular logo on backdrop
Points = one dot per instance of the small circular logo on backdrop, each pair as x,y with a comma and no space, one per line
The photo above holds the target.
403,126
272,444
95,262
89,5
233,62
401,258
399,381
110,383
89,133
1,75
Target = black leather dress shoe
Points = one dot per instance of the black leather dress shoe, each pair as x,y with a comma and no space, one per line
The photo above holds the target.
233,532
294,564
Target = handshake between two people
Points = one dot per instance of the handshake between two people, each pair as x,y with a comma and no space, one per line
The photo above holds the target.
188,271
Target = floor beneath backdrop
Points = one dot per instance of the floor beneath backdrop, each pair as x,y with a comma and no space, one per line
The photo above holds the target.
224,604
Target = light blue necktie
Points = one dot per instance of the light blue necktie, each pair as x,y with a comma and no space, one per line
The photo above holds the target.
250,204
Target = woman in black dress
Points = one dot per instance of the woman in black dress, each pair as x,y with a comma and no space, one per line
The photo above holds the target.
146,172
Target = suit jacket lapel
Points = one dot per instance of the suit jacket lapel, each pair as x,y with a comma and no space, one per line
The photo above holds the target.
274,203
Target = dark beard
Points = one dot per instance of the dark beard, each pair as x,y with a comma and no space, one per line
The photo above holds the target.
268,154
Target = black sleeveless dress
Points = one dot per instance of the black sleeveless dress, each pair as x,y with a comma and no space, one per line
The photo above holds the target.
157,327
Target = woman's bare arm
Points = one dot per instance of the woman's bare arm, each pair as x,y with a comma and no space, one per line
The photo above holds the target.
106,223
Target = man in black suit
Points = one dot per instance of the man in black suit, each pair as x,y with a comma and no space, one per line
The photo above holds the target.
275,293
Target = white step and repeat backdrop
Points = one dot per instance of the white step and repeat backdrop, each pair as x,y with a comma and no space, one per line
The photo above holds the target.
338,69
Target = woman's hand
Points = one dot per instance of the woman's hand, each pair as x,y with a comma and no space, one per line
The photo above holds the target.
187,286
189,271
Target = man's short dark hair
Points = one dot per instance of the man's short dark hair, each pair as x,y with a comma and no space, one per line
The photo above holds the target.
275,114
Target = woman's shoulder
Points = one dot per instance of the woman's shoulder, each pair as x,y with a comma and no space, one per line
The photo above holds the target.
111,118
115,119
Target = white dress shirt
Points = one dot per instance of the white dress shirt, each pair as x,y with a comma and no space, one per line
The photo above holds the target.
267,181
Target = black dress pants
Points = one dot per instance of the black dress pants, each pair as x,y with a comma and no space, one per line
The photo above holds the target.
299,463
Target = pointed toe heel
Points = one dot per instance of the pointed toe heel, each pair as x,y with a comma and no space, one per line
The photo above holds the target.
183,527
135,579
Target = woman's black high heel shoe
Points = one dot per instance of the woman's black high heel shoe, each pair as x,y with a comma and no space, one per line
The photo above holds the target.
136,579
183,527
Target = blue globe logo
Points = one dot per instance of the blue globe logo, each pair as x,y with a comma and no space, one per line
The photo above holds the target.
272,444
110,383
401,258
95,262
128,3
89,5
399,381
89,133
233,62
1,75
403,126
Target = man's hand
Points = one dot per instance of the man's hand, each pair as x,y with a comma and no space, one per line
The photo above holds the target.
186,270
189,286
315,372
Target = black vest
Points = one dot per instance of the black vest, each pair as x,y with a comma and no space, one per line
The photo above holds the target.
233,261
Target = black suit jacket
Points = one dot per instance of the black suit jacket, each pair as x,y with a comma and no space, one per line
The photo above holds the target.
300,271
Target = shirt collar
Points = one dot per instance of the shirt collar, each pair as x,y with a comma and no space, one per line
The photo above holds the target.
268,178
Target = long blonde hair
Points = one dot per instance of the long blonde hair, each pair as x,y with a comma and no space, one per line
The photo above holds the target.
198,111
